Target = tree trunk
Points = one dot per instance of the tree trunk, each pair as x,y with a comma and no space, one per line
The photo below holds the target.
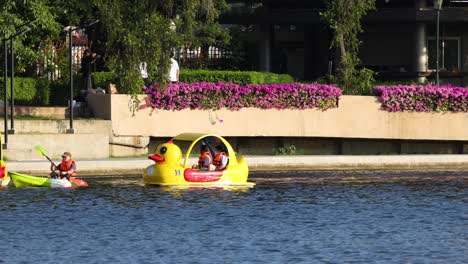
342,48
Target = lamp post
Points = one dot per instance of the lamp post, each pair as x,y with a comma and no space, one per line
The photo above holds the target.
70,29
12,87
437,7
70,68
19,31
5,100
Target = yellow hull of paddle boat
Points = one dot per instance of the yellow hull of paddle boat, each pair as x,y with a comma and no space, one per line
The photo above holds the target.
169,171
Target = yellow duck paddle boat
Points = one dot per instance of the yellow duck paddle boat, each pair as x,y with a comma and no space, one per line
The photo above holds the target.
169,170
4,177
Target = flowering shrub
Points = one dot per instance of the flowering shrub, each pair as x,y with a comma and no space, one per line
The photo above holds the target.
422,98
213,96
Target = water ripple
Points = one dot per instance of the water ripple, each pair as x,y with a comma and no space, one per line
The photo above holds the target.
289,217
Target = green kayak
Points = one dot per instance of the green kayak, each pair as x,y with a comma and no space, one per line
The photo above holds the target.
23,180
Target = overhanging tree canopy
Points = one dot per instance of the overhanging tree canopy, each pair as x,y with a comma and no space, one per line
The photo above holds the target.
131,32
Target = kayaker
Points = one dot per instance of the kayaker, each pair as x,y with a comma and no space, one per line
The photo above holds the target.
66,168
221,159
205,160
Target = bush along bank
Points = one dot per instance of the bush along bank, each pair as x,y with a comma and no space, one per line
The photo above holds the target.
238,77
29,91
213,96
444,98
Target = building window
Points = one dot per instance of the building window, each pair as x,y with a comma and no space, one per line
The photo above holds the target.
449,53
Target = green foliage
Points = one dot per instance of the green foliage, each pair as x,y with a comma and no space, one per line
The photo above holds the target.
42,91
29,91
103,79
344,19
287,150
60,90
392,83
235,63
355,81
130,33
150,30
14,15
60,93
272,78
238,77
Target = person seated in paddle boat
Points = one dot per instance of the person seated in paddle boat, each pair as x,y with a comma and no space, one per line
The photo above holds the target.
205,160
66,168
221,159
169,169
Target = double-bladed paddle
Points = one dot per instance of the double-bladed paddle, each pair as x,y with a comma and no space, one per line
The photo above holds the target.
42,151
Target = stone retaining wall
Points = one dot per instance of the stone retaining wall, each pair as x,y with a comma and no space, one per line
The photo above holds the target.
357,117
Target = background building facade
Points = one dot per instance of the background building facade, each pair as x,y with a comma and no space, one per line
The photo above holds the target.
398,42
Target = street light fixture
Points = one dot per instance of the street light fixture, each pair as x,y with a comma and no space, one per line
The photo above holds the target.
70,30
437,7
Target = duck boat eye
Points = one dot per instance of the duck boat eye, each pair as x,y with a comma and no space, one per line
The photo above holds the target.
163,150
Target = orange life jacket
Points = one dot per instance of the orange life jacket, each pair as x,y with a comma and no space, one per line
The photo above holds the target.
217,160
66,166
201,160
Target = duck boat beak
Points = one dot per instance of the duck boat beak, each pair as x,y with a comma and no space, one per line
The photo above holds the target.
156,158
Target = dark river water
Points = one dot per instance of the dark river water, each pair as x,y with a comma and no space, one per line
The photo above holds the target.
288,217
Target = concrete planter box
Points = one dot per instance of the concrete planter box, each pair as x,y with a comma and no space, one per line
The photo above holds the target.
356,117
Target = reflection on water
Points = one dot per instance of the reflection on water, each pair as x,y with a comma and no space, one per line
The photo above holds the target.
288,217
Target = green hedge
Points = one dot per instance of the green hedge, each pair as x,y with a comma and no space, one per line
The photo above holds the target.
29,91
60,92
238,77
40,91
103,79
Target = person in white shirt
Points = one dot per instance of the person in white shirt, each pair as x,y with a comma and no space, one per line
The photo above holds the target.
173,74
144,73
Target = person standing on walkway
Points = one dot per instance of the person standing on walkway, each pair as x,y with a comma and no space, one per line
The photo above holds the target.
144,73
87,62
173,74
66,168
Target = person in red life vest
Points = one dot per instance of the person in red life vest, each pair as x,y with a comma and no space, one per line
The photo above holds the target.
66,168
221,159
205,160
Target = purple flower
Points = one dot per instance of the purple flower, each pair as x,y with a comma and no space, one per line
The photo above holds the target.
422,98
206,95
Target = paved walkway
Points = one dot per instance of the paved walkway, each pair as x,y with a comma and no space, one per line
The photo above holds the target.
135,166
